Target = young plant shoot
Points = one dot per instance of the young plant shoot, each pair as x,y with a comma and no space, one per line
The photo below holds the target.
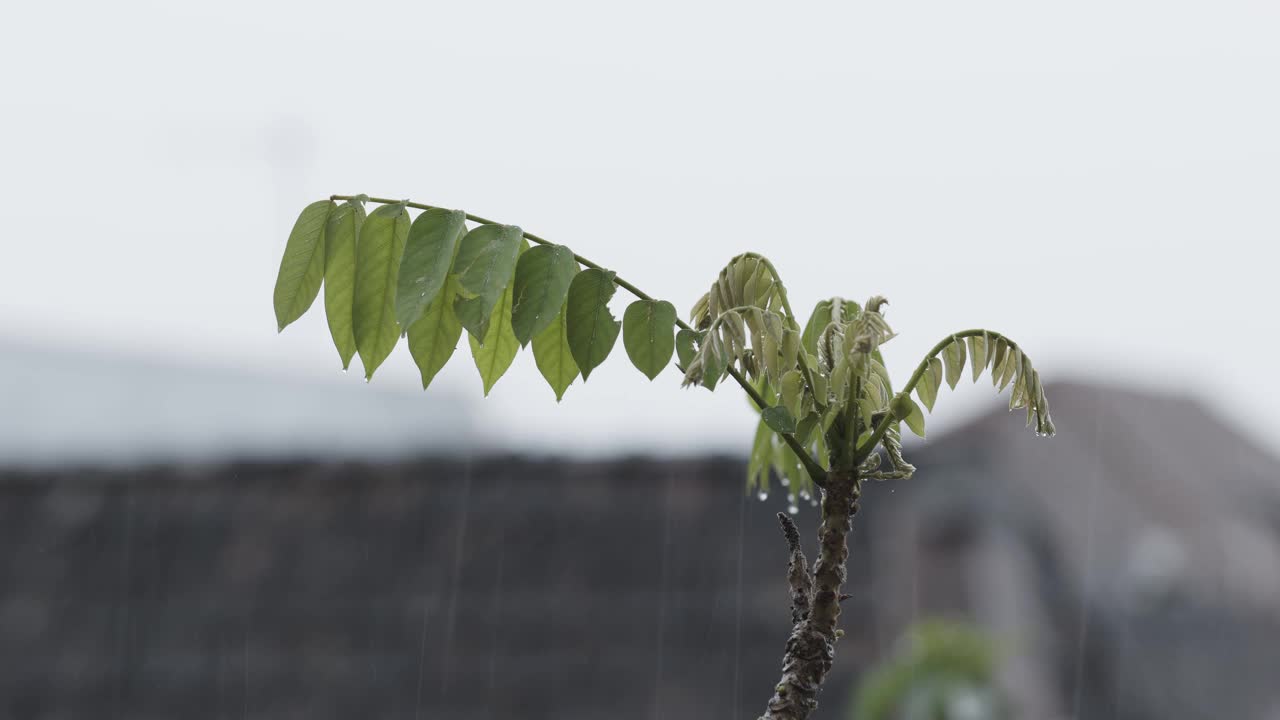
830,417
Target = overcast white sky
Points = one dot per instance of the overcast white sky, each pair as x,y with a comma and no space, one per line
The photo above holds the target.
1096,179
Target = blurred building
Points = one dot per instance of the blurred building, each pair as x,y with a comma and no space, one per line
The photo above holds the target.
1130,566
65,407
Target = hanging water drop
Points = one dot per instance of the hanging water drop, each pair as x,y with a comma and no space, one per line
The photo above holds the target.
763,495
786,482
793,509
804,495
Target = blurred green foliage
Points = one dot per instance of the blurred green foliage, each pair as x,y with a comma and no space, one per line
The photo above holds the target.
944,670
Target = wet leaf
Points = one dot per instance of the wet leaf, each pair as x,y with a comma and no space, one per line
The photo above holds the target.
340,276
553,356
428,255
302,267
591,328
647,335
485,264
542,282
953,356
779,419
978,354
373,317
434,337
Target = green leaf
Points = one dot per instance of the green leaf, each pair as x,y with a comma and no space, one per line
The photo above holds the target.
302,267
434,337
428,255
591,328
555,359
818,321
953,354
484,265
997,359
926,389
494,355
373,317
792,391
978,354
779,419
761,458
685,347
1012,362
340,276
914,419
716,360
647,327
824,313
542,282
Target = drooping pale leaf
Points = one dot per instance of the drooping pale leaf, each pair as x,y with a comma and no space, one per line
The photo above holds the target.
494,355
340,276
787,465
648,335
935,373
914,419
818,321
791,391
553,356
428,255
591,328
434,337
779,419
790,347
926,390
978,354
373,318
997,359
1012,361
484,265
717,360
541,284
760,459
685,348
302,267
953,355
837,310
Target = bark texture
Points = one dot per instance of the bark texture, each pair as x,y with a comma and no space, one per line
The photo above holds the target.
810,649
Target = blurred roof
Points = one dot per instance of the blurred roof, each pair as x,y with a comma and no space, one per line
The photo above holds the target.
76,407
